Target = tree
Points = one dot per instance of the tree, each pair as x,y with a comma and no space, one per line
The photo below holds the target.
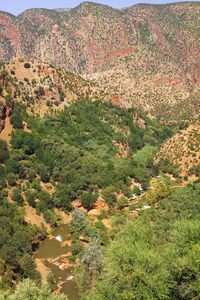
27,267
44,174
110,195
62,95
4,153
2,183
15,167
16,196
31,197
8,99
78,222
1,88
16,120
88,199
133,268
122,202
27,66
91,265
28,290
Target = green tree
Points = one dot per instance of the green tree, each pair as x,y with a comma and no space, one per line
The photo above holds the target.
16,120
28,290
4,153
17,197
27,65
88,199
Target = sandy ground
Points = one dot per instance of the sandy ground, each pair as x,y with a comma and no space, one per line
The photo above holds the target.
42,269
47,187
6,132
65,218
21,72
107,223
33,218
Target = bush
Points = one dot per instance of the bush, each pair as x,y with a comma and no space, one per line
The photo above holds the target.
17,197
78,222
27,66
51,217
31,197
88,199
40,92
16,120
3,184
4,153
29,290
99,225
122,202
44,174
77,248
12,179
110,196
15,167
136,191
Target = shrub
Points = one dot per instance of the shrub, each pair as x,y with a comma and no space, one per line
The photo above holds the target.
136,191
4,153
31,197
29,290
27,66
122,202
109,194
78,222
16,196
12,179
16,120
88,199
2,183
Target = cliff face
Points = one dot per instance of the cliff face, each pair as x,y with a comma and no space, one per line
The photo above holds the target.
147,54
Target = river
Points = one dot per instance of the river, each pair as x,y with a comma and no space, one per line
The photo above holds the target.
54,251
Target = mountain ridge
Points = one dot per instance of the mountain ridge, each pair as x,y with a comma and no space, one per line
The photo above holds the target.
66,9
148,53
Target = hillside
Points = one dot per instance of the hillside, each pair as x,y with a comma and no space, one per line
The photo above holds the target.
42,88
183,151
148,55
100,153
87,152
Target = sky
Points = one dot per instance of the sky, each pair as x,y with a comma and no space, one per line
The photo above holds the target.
17,6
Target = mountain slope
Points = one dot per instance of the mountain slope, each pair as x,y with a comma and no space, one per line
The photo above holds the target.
183,151
147,54
41,87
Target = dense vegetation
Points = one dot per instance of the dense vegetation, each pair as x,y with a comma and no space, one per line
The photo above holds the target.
87,151
77,151
17,241
28,290
155,256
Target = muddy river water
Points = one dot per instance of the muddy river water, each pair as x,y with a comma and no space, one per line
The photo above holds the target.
53,251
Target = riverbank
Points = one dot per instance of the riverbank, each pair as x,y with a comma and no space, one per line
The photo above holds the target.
53,257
